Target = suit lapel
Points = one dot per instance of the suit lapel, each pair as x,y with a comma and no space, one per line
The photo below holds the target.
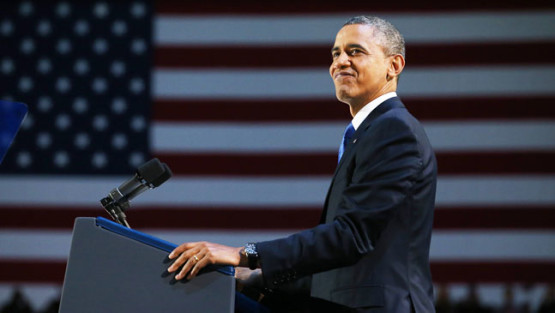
350,148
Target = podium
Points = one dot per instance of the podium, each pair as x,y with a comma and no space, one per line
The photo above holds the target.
112,268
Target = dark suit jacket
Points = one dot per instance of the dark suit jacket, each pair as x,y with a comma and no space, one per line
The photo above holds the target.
371,249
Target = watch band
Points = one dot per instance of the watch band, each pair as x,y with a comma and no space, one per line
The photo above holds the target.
252,255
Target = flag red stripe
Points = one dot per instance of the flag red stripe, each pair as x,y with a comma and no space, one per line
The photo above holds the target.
493,272
231,218
249,164
314,6
455,163
32,271
495,218
497,163
438,109
454,54
41,271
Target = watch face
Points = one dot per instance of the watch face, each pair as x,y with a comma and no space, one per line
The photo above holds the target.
250,249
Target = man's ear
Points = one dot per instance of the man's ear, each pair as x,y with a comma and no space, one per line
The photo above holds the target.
396,66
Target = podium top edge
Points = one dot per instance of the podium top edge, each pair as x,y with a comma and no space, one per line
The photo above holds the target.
135,235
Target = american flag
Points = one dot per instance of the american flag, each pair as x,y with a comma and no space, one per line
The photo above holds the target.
237,100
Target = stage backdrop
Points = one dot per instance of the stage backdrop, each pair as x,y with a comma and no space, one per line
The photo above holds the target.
237,100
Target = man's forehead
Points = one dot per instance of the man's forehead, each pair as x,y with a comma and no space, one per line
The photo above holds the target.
355,34
362,30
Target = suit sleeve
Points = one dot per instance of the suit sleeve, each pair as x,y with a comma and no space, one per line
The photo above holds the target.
385,165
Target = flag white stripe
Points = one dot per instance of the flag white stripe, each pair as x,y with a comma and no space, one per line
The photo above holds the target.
246,137
491,135
198,191
492,294
475,245
325,137
445,245
321,29
270,192
241,83
316,82
495,190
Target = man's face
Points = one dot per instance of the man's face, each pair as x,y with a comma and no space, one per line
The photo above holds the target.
359,67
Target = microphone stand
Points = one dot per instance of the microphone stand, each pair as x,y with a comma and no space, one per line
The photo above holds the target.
116,210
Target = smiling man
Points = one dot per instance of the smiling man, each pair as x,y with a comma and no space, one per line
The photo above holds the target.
366,63
370,252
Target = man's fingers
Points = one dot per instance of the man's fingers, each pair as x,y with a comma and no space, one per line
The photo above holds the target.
190,262
177,251
177,263
197,267
184,270
193,265
180,249
181,259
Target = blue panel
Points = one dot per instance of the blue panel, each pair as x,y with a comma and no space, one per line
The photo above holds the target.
152,241
11,117
135,235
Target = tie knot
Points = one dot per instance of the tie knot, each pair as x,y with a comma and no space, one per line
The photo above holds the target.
349,131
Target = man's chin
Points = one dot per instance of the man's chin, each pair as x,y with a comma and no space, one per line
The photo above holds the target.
343,95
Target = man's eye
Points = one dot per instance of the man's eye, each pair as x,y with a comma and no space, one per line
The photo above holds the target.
335,54
354,52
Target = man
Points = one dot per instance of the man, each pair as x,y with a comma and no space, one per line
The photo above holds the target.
371,251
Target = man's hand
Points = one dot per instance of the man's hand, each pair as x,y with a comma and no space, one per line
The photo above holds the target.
194,256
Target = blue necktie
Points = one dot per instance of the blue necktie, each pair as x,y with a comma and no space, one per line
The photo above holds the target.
347,135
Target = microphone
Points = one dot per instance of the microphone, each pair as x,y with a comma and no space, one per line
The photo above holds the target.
148,176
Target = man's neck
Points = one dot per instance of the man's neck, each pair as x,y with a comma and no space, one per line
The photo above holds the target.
356,106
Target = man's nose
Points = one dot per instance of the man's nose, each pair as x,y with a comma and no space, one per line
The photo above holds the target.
342,60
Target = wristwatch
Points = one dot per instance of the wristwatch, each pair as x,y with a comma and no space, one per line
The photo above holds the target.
252,255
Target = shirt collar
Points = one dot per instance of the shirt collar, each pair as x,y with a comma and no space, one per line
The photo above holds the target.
367,109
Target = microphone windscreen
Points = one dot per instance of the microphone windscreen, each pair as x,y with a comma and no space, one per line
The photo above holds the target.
167,174
154,172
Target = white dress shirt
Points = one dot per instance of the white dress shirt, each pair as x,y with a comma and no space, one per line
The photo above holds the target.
367,109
